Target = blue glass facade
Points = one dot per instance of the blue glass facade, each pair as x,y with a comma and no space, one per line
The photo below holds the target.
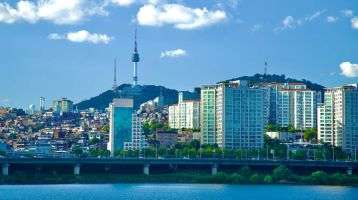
122,123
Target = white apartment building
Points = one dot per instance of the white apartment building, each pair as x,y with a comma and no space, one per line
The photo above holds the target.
293,104
338,117
233,115
185,114
138,140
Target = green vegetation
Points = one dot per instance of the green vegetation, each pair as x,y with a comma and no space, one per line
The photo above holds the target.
98,152
245,175
276,128
269,78
310,134
105,128
152,126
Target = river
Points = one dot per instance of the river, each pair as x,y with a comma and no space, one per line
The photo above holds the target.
175,192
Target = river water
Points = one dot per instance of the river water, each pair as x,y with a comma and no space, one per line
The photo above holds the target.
176,192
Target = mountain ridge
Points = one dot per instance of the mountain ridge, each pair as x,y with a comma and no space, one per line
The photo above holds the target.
144,93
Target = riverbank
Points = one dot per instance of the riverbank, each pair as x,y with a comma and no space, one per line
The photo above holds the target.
242,177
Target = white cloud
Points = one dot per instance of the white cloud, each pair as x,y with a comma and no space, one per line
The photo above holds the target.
315,15
349,69
123,2
354,22
347,13
56,11
82,36
289,22
173,53
181,17
332,19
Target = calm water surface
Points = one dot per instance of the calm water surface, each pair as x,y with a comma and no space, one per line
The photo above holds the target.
175,192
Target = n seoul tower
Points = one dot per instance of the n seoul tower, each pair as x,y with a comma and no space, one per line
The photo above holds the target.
135,60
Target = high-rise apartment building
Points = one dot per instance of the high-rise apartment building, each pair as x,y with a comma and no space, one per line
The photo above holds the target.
125,127
138,140
233,115
121,111
293,104
62,106
185,114
42,104
338,117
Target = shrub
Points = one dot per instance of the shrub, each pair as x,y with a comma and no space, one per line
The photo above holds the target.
245,171
221,178
255,178
319,177
268,179
281,173
237,178
337,178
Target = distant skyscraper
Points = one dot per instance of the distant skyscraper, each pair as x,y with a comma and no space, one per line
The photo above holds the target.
62,106
31,109
42,104
114,87
135,60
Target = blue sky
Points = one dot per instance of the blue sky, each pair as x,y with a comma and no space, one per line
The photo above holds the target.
65,48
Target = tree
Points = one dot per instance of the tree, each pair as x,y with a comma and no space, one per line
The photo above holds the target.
105,128
319,177
298,155
281,173
271,128
291,129
310,134
245,171
268,179
255,178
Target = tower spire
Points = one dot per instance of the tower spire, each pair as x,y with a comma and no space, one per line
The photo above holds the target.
266,68
135,59
135,41
115,75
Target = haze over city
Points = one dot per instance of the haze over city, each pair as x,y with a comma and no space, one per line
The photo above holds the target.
66,48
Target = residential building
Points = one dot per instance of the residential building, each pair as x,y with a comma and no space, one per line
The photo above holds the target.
121,111
62,106
138,140
233,115
338,117
185,114
293,104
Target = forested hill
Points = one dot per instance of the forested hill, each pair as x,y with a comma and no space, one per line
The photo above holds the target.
140,94
144,93
274,78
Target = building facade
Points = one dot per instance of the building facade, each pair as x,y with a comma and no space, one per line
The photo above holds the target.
338,117
233,115
138,140
62,106
121,111
293,104
185,114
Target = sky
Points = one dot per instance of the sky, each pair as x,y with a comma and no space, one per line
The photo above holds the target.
66,48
